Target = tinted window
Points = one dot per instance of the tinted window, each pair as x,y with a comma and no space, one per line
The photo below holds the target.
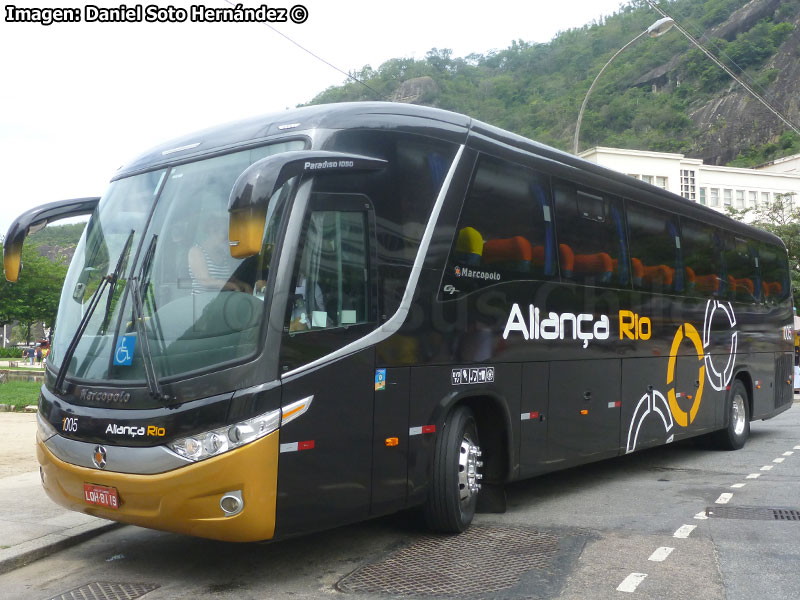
591,234
505,231
331,287
403,193
701,247
774,273
655,249
740,269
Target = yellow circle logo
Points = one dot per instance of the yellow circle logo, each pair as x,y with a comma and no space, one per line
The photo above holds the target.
683,418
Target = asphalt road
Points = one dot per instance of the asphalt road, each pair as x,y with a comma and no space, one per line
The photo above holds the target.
590,532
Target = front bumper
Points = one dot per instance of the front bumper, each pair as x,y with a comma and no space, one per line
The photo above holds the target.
184,500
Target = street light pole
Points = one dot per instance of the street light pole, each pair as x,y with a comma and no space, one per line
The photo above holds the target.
658,28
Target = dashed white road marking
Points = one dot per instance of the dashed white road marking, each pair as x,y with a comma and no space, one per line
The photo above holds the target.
724,498
661,553
788,453
767,468
701,516
796,448
631,582
778,460
738,485
684,531
753,476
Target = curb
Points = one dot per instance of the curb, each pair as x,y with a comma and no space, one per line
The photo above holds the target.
30,408
31,551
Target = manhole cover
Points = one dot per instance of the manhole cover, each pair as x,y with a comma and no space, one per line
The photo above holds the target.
105,590
758,513
482,559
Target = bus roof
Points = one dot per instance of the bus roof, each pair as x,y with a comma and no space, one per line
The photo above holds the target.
419,119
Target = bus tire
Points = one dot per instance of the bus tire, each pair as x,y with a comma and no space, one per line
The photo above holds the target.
735,434
453,494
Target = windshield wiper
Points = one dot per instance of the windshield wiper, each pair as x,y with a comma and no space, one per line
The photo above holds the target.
108,280
138,283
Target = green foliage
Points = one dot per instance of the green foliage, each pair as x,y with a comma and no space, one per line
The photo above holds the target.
781,217
10,353
61,236
19,393
34,298
787,144
536,89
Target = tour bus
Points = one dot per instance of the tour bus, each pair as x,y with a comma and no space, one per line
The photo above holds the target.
337,312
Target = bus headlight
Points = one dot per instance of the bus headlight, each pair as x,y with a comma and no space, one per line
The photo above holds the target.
217,441
46,431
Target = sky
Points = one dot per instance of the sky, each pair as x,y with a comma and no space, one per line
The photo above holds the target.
79,100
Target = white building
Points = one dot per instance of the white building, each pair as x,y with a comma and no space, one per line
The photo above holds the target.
716,187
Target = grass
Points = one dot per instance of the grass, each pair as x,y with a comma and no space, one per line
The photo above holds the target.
19,393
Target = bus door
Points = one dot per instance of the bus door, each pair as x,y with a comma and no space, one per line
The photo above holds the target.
390,440
324,468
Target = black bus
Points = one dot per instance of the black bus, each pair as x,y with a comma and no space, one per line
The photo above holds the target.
342,311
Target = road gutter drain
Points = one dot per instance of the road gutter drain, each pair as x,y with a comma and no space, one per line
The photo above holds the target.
106,590
480,560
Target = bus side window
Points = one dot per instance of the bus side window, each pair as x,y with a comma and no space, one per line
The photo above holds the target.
505,232
331,282
701,248
774,273
591,236
740,269
655,250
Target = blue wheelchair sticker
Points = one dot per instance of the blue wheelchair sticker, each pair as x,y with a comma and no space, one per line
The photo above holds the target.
123,354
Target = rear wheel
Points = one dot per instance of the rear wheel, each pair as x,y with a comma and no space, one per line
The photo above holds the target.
456,478
736,433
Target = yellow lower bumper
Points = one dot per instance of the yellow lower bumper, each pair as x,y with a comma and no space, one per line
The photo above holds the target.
185,500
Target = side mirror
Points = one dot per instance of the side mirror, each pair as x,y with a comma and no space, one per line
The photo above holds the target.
34,220
253,189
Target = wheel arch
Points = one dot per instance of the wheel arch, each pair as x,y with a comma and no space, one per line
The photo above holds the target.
743,374
493,420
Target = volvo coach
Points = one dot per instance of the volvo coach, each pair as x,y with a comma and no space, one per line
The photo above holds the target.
337,312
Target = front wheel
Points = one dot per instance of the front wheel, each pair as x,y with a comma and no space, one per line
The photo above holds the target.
455,484
736,433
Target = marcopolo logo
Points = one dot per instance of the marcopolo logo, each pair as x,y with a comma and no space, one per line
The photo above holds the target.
107,397
557,326
474,274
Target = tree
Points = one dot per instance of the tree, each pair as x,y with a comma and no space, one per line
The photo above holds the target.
781,217
34,298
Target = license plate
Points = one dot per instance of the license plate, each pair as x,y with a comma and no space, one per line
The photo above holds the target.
101,495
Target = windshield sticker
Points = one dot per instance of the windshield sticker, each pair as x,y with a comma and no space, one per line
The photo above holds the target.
123,354
380,380
472,376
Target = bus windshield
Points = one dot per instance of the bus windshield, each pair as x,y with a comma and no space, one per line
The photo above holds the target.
166,230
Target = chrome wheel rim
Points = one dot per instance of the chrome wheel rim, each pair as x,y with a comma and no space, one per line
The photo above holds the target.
468,470
738,414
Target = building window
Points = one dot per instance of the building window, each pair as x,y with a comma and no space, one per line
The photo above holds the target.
687,185
765,197
714,197
727,197
752,199
739,198
647,178
661,182
703,196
